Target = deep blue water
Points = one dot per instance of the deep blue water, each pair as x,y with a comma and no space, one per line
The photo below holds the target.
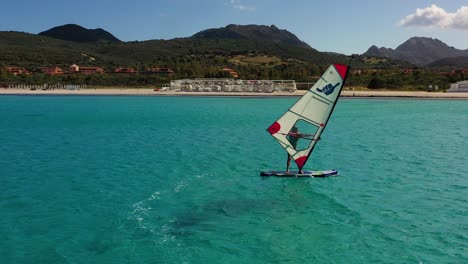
176,180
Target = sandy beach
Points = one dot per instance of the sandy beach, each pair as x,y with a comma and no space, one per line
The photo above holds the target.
151,92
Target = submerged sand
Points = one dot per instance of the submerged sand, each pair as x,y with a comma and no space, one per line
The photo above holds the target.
151,92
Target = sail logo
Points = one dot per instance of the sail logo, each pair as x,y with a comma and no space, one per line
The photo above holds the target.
328,89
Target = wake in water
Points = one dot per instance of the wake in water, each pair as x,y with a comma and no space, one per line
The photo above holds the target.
153,222
192,214
157,212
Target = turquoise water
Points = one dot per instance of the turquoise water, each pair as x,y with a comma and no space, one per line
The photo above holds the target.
176,180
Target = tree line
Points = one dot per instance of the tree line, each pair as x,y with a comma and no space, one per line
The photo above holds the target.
210,67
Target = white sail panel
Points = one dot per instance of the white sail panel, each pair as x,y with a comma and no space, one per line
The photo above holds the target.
307,118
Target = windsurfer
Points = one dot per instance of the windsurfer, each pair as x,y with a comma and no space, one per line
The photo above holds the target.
293,138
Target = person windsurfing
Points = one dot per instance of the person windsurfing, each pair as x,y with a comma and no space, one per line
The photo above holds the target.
293,138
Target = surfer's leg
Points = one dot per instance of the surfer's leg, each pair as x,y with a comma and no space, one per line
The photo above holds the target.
288,163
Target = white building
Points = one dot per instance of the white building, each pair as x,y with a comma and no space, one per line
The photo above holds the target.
461,87
231,85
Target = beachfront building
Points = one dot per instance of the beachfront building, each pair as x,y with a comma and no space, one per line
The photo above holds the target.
410,71
460,71
231,85
231,72
125,70
51,70
85,69
17,70
460,87
454,72
162,71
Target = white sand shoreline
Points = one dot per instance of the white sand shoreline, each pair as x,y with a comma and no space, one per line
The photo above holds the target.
151,92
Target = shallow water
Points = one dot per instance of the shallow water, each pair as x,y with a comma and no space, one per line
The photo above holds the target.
121,179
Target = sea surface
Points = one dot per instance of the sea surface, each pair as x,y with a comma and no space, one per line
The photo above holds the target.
122,179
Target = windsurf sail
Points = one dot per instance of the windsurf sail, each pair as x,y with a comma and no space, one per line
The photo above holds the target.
299,129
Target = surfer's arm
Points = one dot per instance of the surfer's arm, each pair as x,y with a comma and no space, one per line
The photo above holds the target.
304,135
299,135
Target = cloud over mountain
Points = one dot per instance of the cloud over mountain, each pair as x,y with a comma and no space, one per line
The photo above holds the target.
237,4
434,16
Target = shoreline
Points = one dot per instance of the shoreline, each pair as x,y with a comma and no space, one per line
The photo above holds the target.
151,92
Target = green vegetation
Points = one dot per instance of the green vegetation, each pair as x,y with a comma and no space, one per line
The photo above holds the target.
397,80
384,79
198,58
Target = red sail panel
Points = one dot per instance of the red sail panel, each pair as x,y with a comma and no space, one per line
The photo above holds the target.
341,69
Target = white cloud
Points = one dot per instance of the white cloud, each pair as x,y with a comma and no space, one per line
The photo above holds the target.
460,20
238,5
437,17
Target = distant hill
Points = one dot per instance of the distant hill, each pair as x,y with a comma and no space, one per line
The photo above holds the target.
76,33
418,50
264,46
260,47
450,63
30,50
252,32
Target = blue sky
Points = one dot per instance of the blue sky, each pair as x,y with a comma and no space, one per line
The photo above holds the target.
334,25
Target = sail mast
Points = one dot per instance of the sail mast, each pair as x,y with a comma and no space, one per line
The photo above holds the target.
344,74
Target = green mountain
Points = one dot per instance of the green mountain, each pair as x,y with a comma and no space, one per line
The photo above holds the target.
232,46
262,46
253,32
78,33
450,63
29,50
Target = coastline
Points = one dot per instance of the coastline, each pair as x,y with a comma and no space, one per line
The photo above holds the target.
151,92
